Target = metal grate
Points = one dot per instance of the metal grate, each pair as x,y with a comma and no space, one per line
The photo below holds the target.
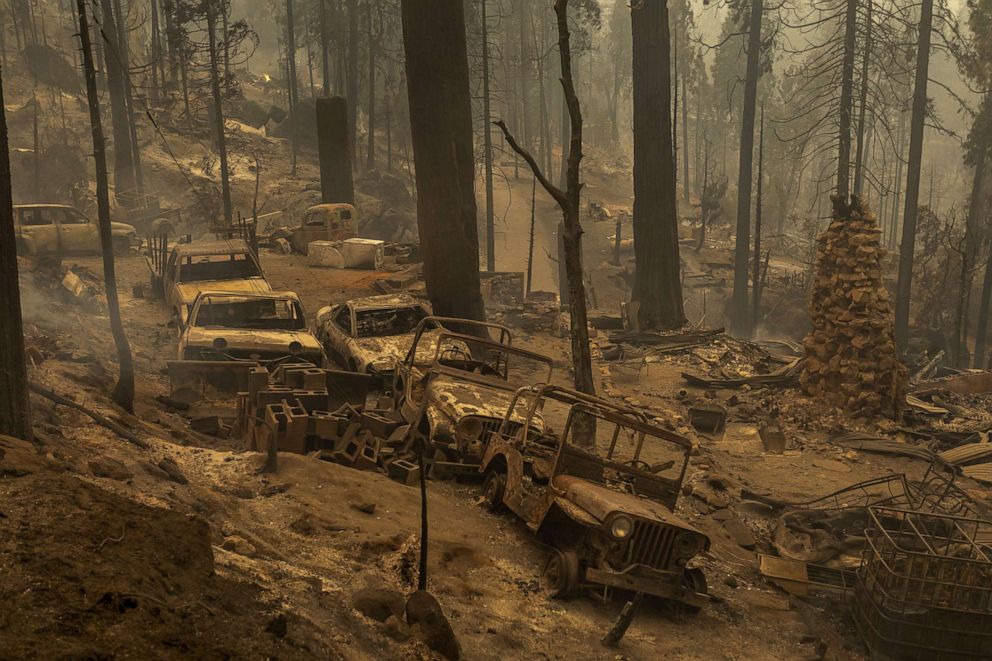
924,589
651,545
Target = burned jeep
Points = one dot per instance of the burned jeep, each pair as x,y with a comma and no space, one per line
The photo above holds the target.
598,483
453,388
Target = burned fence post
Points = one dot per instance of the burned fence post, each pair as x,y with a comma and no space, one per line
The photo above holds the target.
623,621
334,146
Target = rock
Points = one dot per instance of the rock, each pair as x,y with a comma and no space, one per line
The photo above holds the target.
170,468
740,533
303,525
396,629
367,508
380,604
239,545
277,626
283,246
730,582
429,625
110,468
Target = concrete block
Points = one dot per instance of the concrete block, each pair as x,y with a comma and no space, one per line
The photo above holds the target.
403,471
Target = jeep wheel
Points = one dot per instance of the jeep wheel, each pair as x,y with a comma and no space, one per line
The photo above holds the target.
694,579
561,574
493,489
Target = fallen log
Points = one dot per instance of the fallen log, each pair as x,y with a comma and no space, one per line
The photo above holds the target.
96,417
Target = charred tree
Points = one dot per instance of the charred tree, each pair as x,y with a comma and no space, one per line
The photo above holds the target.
351,81
739,321
437,76
569,202
294,93
225,182
917,127
859,165
373,43
124,174
657,284
325,47
124,391
334,148
488,146
15,411
847,101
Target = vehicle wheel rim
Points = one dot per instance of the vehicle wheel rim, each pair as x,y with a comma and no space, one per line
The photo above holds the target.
552,573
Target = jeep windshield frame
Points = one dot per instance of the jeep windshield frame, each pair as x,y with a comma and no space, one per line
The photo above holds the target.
634,472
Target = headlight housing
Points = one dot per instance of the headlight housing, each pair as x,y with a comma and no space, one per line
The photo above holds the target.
621,526
688,544
219,343
295,348
470,428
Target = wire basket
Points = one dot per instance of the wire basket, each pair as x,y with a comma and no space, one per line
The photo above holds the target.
924,589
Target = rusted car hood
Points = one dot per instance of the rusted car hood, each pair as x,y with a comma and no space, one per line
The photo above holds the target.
456,399
187,293
394,348
601,502
239,339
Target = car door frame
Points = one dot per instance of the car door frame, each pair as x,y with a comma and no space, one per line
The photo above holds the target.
87,235
50,233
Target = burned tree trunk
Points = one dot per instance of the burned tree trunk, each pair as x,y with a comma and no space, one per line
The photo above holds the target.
124,392
352,73
441,129
294,94
488,147
372,45
225,183
334,149
917,127
847,102
568,200
741,248
859,166
325,48
124,176
657,283
15,413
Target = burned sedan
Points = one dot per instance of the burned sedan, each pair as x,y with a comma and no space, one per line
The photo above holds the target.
370,335
454,388
598,483
268,329
58,229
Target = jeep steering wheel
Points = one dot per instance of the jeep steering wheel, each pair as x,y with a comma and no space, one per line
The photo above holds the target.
638,464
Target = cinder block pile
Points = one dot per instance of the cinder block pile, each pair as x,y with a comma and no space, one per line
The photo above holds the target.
292,409
851,356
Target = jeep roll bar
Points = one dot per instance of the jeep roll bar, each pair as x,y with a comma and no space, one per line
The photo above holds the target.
505,336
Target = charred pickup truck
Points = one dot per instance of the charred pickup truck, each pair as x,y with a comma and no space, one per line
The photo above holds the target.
454,388
598,483
324,222
370,335
215,266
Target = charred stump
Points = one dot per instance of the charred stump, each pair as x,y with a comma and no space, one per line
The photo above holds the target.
334,145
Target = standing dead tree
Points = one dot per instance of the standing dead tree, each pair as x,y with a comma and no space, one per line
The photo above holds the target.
124,392
657,281
15,417
437,76
568,201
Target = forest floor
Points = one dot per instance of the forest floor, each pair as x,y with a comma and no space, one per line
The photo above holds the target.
106,554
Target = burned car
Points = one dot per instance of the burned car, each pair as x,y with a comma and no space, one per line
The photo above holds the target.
268,329
192,268
323,222
57,229
454,388
598,483
370,335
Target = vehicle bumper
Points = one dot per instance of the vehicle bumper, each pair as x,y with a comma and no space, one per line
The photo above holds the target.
641,578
